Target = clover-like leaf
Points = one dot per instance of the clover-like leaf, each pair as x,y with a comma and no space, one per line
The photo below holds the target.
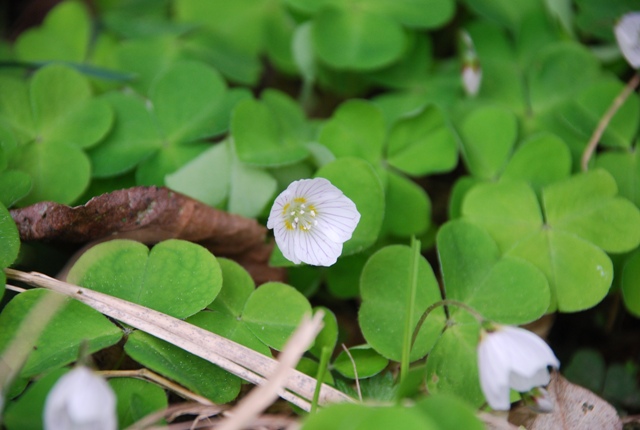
488,135
423,143
364,362
59,343
584,218
136,399
269,133
273,312
190,371
503,289
630,282
384,286
452,366
358,181
328,336
173,268
408,208
356,129
355,38
624,167
63,36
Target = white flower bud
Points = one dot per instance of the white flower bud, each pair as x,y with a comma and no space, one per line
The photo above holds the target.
80,400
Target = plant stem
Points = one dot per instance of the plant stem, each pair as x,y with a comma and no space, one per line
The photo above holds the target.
606,118
325,355
411,298
445,302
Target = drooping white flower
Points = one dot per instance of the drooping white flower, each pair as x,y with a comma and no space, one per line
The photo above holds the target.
627,31
80,400
512,357
471,71
311,220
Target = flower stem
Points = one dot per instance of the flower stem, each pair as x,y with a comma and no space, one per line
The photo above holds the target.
325,355
411,298
606,118
445,302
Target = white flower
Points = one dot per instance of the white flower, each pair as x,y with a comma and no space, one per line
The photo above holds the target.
471,78
627,32
311,220
80,400
511,357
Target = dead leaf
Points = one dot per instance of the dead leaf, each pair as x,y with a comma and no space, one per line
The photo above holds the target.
151,215
575,408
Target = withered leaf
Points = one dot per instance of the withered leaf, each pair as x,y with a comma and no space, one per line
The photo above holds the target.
575,407
151,215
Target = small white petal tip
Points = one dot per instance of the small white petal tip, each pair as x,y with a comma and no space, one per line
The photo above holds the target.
627,32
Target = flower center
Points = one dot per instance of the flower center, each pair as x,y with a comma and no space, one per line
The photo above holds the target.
298,214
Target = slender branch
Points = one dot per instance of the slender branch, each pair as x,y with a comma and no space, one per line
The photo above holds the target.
355,370
446,302
154,377
606,118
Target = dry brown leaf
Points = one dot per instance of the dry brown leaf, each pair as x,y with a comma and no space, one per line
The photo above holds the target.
151,215
575,408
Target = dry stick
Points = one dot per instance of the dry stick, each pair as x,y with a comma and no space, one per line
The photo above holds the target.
235,358
355,370
154,377
606,118
263,396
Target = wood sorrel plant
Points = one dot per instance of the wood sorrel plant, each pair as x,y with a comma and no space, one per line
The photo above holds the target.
511,198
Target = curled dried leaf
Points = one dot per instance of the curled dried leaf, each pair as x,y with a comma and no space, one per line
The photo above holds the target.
151,215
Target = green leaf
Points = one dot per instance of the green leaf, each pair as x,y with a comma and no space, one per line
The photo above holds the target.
173,268
358,181
354,38
586,205
630,282
136,399
187,100
133,138
579,273
541,160
416,13
60,341
560,71
502,289
585,112
64,35
450,412
237,286
488,135
452,366
408,208
367,362
229,327
264,137
343,278
58,171
15,107
356,129
26,411
328,336
384,286
10,238
63,109
509,211
505,12
206,177
170,158
273,312
422,143
250,190
358,416
625,169
194,373
586,368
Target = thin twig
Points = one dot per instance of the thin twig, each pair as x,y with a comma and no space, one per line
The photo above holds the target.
154,377
355,370
14,288
252,405
606,118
